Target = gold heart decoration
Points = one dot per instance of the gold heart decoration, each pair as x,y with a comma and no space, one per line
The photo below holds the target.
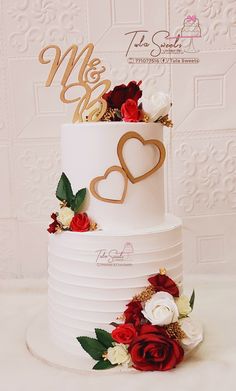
157,143
94,182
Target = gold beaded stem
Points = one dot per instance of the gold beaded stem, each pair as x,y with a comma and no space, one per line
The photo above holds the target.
146,294
104,356
93,226
162,271
109,115
166,121
174,331
63,204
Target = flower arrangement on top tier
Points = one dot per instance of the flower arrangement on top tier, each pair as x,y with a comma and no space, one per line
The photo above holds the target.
70,217
123,104
155,334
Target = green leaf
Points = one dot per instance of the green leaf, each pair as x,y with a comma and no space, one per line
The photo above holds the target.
118,113
92,346
104,337
78,199
64,191
192,299
104,364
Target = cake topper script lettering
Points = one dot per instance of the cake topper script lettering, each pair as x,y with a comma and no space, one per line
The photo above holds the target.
90,104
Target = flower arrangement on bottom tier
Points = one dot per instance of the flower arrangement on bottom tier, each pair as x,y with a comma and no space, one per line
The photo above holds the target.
155,334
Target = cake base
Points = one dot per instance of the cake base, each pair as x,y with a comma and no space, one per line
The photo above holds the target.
41,346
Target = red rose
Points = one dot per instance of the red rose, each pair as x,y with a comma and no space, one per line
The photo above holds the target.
153,350
116,97
133,313
161,282
80,223
133,90
55,225
130,111
124,333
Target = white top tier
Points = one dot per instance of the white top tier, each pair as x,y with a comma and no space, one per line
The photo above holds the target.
89,149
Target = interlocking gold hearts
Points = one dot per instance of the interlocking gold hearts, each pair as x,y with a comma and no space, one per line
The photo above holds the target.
124,170
157,143
94,182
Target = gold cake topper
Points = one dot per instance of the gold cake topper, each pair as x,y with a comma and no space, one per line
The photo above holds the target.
90,102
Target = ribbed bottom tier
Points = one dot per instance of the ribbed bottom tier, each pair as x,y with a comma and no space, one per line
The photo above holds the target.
93,275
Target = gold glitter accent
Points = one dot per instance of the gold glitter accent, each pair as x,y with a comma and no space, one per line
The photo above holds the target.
162,271
104,356
120,317
93,226
63,204
58,229
109,115
145,117
146,294
174,331
166,121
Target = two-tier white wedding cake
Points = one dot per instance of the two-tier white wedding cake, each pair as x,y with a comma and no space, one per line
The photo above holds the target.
93,275
114,256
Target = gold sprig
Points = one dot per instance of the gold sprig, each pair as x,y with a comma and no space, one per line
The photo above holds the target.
63,204
120,317
58,229
162,271
110,115
174,331
93,226
146,294
145,117
104,356
166,121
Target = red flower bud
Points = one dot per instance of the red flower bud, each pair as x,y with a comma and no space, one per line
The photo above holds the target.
130,111
80,223
124,333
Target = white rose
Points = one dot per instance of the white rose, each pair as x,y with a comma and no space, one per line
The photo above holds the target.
183,305
161,309
157,105
118,354
65,216
193,331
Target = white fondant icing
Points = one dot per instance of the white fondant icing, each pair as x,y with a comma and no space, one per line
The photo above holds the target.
89,149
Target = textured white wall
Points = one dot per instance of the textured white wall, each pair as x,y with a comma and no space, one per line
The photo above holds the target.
202,145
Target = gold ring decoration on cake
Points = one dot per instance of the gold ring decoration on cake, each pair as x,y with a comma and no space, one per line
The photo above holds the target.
94,182
157,143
